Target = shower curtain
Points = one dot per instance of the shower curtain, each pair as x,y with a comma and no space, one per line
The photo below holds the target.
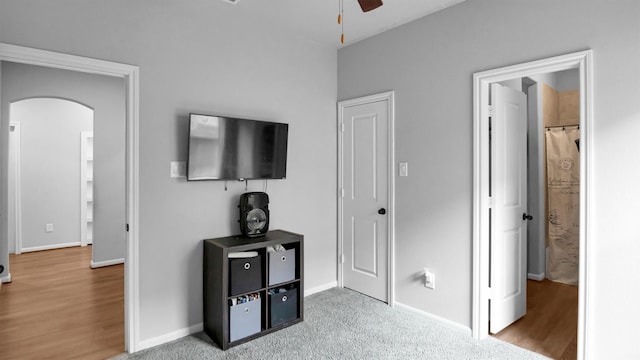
563,190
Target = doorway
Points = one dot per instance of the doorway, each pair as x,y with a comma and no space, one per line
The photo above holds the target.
23,55
45,215
482,290
365,195
14,190
547,320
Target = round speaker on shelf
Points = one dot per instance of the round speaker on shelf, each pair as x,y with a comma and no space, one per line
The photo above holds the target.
254,214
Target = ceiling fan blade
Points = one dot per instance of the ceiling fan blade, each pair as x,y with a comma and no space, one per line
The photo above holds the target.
368,5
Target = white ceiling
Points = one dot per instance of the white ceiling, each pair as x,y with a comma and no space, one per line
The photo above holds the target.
317,19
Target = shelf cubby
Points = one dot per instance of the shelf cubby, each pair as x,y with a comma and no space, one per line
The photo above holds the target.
278,278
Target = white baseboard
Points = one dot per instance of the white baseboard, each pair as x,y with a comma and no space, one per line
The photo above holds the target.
6,279
50,247
441,320
536,277
174,335
145,344
320,288
546,259
99,264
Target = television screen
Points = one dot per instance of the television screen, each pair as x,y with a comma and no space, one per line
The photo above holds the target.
225,148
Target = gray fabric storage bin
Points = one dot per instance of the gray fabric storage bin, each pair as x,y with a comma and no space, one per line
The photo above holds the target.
245,319
282,266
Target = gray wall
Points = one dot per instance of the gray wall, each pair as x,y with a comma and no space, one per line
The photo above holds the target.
204,57
535,183
106,96
536,229
567,80
430,63
50,169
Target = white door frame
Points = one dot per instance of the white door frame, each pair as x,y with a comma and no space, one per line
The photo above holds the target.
130,74
388,96
84,185
583,61
16,212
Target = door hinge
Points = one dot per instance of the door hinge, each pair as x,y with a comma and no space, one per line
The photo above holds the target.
126,227
342,193
342,127
491,202
491,111
341,258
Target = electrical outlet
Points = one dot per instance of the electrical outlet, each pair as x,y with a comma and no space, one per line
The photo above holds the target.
49,228
429,279
178,169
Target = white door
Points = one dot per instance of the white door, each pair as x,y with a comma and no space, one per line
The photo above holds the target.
364,198
509,194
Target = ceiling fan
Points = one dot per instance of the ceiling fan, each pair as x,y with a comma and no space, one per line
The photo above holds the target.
368,5
365,5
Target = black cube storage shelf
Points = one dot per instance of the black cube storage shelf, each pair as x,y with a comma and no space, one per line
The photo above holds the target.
277,277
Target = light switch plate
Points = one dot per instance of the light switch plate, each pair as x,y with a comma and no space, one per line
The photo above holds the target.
178,169
429,279
404,169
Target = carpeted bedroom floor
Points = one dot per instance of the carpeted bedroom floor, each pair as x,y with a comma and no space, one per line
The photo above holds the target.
343,324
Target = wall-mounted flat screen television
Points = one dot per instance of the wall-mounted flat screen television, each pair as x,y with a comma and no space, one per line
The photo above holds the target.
226,148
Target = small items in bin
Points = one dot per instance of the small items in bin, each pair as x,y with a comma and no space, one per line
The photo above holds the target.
242,255
243,299
275,248
277,291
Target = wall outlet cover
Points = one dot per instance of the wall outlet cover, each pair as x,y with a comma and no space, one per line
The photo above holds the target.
178,169
429,279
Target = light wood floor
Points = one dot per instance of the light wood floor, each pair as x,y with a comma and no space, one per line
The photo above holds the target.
551,324
57,307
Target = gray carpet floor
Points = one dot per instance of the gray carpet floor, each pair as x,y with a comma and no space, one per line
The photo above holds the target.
343,324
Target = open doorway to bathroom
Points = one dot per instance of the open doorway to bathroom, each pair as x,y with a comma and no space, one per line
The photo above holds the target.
550,324
490,283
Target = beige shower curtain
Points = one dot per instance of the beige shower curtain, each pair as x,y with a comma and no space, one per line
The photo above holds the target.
563,190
